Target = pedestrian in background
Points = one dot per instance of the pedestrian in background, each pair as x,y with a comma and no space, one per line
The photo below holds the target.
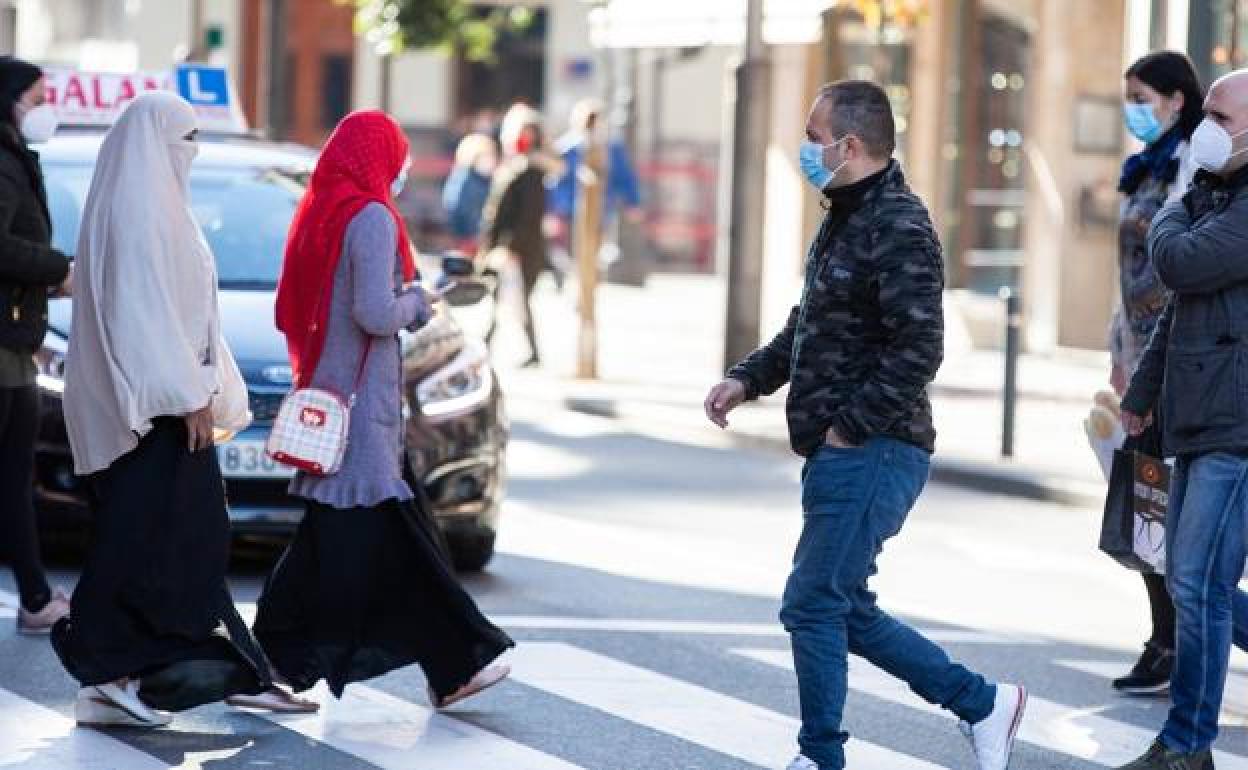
858,353
152,626
623,191
364,588
467,188
29,270
512,234
1192,371
1163,107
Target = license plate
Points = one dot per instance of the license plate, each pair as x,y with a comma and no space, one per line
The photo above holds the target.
247,460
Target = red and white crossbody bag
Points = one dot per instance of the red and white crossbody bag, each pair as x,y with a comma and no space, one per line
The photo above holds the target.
310,432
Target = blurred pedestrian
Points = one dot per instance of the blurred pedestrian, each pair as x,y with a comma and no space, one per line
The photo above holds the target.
623,192
29,270
1162,109
1192,370
148,381
858,353
512,234
364,587
467,188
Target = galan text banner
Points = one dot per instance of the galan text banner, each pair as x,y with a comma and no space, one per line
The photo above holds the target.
97,98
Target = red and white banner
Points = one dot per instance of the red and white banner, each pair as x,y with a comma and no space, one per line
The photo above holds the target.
97,98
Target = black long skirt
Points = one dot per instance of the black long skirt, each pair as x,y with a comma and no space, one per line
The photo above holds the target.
152,601
363,591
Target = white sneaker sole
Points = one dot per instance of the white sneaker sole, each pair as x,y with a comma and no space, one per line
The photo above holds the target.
94,709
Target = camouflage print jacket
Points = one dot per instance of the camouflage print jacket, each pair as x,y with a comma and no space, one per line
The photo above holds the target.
868,336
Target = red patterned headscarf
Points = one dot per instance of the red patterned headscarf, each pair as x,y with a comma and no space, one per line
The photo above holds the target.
362,158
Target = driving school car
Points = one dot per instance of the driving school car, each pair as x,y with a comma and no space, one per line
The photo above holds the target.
243,194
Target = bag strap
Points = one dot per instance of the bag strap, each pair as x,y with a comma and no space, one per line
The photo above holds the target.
359,373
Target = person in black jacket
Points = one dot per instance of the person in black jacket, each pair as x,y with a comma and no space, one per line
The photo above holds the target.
858,353
30,270
512,220
1192,374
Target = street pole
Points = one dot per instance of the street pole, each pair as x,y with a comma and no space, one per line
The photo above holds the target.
745,237
1013,345
386,60
587,236
632,264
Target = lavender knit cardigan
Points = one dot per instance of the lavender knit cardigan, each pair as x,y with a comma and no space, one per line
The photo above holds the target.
366,304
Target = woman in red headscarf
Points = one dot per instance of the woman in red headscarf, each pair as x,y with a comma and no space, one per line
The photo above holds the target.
364,587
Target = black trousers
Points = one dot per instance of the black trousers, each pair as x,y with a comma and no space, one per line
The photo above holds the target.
1162,608
19,424
364,591
153,595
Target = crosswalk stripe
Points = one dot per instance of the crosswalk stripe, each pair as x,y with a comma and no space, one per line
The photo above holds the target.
1234,698
395,734
635,625
686,711
1078,732
34,737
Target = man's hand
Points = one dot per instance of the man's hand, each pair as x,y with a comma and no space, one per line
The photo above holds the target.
722,399
199,429
1134,424
834,440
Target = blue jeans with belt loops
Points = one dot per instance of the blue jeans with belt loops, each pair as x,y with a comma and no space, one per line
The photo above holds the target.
853,500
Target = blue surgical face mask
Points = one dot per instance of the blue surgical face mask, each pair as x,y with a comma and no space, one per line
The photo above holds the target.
810,158
399,183
1142,122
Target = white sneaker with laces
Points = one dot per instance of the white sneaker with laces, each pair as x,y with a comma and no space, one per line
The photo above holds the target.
803,763
116,706
993,738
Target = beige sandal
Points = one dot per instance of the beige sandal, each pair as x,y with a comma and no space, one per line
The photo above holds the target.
484,680
277,700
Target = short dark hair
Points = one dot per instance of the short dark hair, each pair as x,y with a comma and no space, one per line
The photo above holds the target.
861,108
1170,72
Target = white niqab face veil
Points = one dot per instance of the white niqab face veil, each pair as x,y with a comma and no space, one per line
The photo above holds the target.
146,337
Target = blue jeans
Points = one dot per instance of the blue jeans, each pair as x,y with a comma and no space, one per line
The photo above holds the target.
853,500
1204,562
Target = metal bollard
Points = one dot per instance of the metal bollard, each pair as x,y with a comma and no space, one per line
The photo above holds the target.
1013,340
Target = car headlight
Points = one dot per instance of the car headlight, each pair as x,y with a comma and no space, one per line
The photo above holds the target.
50,362
461,385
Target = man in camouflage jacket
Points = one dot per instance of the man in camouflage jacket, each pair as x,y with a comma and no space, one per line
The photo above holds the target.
858,353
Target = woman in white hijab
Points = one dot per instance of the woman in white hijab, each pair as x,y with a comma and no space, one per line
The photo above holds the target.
148,380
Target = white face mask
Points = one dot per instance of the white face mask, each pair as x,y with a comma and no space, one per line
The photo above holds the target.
1212,147
39,124
399,183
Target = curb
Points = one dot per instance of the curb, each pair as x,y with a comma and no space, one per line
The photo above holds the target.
967,474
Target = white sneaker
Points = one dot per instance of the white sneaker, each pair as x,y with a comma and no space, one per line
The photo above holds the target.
803,763
993,738
116,706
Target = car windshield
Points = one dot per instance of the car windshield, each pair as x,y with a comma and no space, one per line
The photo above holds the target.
244,212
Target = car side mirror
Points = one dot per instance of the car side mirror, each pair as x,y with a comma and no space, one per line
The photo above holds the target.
456,265
466,291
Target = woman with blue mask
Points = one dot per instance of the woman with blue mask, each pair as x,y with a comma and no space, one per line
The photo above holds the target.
1162,109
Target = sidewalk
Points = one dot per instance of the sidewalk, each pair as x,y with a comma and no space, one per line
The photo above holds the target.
659,351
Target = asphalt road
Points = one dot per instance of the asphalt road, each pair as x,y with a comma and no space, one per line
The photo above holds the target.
640,574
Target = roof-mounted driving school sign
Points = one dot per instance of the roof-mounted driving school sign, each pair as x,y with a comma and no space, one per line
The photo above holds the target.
97,98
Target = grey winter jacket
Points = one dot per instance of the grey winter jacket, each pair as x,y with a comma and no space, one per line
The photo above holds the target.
1195,370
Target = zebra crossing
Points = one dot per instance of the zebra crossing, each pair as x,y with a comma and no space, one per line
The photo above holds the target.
634,711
